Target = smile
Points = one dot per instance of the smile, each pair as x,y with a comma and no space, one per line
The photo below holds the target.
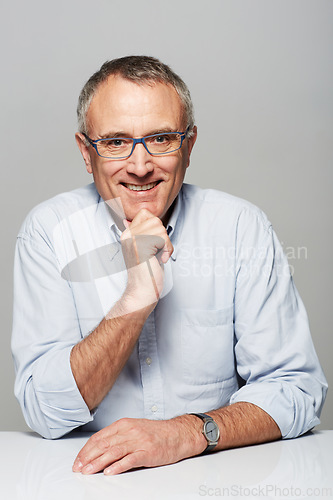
144,187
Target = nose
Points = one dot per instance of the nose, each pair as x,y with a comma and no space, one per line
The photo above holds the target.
140,161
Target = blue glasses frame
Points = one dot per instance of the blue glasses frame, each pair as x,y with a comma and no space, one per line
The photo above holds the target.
140,140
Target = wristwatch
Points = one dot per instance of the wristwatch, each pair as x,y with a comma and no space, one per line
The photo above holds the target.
210,430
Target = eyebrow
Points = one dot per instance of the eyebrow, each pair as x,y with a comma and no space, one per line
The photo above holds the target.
111,134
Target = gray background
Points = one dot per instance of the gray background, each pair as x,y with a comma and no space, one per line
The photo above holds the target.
260,73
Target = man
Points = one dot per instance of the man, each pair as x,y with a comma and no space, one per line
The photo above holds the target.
158,314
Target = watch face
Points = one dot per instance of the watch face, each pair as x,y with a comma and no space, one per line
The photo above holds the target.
211,431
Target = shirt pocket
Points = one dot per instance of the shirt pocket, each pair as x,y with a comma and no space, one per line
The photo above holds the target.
207,342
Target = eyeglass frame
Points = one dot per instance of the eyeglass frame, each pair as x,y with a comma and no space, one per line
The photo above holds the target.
140,140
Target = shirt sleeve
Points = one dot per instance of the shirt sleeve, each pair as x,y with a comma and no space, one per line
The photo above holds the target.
45,328
273,347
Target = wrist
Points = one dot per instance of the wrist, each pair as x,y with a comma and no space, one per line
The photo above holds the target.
210,431
190,427
144,283
131,305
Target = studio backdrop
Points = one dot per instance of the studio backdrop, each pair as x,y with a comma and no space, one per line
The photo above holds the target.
261,77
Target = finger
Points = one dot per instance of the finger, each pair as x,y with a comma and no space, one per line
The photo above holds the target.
130,461
154,227
90,451
140,225
167,251
142,216
141,246
112,455
95,446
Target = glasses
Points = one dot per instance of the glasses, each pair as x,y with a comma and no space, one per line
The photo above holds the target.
120,148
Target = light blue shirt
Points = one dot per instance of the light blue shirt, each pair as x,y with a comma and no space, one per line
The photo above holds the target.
229,327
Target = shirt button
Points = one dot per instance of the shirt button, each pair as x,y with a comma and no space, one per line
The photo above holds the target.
154,408
148,361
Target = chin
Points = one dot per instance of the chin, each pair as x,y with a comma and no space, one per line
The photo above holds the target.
155,211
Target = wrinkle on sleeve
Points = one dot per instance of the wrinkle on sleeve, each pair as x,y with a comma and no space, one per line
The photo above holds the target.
274,351
45,328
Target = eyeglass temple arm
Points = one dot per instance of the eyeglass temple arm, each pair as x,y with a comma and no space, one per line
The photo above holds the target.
88,139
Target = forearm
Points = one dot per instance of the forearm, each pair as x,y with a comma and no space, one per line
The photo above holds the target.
240,424
98,359
131,443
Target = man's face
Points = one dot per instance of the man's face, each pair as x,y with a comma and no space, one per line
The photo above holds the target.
124,109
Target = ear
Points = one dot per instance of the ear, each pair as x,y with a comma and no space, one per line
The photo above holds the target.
81,143
191,142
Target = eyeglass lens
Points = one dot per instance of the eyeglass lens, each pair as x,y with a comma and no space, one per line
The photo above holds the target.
156,144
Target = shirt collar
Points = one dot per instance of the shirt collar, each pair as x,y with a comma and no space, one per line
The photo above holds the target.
106,218
175,216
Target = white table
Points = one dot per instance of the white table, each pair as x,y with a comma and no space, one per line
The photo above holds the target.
32,468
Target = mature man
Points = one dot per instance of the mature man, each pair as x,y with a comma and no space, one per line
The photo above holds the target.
141,302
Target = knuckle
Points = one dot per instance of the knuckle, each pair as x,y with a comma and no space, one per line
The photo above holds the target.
94,438
146,213
103,444
142,215
117,451
158,222
124,421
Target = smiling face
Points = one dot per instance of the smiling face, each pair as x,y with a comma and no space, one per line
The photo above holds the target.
125,109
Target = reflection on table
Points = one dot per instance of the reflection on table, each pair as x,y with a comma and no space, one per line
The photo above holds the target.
33,468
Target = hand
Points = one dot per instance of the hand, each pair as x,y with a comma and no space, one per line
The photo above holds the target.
130,443
146,247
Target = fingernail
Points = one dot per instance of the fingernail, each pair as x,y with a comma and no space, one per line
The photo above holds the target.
109,471
87,469
77,466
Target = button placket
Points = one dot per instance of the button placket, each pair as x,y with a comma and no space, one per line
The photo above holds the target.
150,371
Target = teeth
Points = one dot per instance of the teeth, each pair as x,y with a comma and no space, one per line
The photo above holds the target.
145,187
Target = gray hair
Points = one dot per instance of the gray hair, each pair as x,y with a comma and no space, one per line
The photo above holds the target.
138,69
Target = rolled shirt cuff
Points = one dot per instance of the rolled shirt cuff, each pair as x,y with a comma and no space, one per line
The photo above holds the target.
291,409
60,402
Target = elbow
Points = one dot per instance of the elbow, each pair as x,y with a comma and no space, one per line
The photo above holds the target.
44,420
47,429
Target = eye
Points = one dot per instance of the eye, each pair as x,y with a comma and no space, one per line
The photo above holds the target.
114,143
161,138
